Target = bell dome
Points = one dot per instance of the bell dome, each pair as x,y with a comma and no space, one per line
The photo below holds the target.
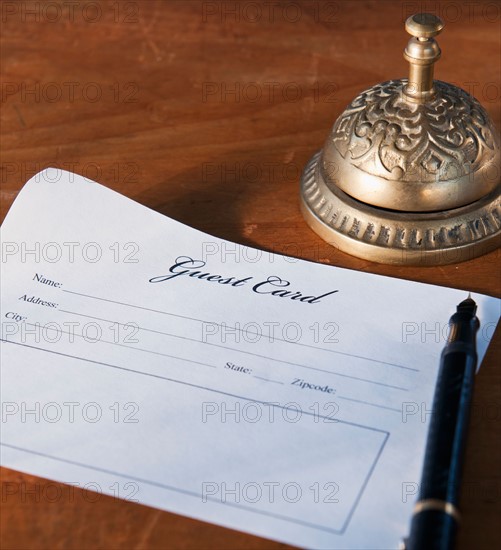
392,153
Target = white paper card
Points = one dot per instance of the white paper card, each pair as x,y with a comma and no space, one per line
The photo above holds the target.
144,359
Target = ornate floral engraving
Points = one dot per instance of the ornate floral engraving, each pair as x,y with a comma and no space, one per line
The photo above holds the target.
384,135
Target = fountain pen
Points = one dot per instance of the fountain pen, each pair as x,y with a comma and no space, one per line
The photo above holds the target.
436,516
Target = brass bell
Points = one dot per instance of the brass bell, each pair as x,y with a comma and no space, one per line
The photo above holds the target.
410,173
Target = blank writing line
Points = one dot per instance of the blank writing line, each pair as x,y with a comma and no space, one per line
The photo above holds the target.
229,348
190,384
268,380
242,330
207,365
129,347
369,403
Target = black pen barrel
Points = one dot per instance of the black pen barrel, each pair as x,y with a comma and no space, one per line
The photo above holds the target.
436,516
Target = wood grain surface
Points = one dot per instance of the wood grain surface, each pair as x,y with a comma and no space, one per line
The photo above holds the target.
207,112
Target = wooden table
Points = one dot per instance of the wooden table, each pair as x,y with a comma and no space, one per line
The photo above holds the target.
207,112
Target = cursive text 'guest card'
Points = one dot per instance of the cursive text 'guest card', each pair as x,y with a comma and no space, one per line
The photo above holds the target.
144,359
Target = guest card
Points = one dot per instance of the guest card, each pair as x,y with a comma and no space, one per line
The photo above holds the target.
144,359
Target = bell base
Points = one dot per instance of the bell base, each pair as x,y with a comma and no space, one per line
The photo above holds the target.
399,238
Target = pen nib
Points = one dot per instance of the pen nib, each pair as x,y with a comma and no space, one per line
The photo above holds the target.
468,306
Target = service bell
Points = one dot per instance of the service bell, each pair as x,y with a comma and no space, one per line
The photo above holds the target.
410,173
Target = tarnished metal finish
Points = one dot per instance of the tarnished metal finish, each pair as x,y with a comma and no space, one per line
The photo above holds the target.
422,52
418,157
410,171
392,237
